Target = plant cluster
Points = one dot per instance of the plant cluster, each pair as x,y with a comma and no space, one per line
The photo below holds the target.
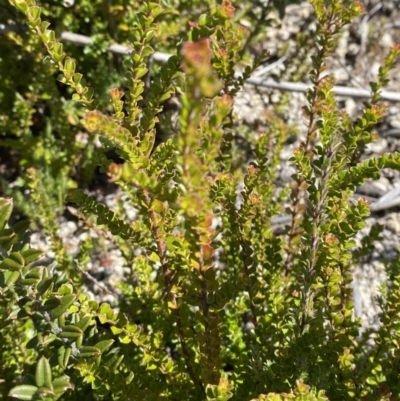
218,305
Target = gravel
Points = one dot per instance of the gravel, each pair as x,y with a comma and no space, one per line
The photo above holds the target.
362,47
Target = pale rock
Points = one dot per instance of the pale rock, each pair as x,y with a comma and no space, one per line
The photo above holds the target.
386,40
393,223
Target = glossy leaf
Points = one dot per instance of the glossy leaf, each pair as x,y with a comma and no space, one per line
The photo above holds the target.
6,207
43,373
65,303
23,392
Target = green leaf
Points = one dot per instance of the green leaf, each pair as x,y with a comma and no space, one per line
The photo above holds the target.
64,354
51,303
21,227
35,273
29,281
10,278
62,384
43,374
44,285
70,331
69,67
106,313
34,13
65,303
31,255
104,345
23,392
6,234
84,323
88,352
6,207
14,262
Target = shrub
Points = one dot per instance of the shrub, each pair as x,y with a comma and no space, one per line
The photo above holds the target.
218,306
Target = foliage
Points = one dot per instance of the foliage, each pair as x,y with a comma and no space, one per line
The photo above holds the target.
219,307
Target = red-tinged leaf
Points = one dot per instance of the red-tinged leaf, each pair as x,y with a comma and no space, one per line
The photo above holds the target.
198,55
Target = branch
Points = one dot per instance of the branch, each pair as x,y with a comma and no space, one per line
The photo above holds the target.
160,57
389,200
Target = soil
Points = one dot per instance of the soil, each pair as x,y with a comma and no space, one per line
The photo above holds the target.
362,48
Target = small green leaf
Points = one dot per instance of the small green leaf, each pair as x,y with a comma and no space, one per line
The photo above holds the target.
88,352
23,392
31,255
84,323
70,331
32,343
149,36
29,281
49,339
61,385
14,262
35,273
6,234
58,49
51,303
64,354
6,207
140,72
65,303
34,13
106,313
44,285
10,278
104,345
21,227
69,67
146,51
77,78
43,374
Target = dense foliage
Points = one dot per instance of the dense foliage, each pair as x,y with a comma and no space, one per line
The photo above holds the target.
217,306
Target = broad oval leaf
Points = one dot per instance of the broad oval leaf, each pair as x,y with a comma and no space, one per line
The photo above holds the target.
88,352
51,303
104,345
31,255
21,227
23,392
70,331
6,234
15,261
6,207
10,278
61,385
44,285
65,303
84,323
64,354
43,374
